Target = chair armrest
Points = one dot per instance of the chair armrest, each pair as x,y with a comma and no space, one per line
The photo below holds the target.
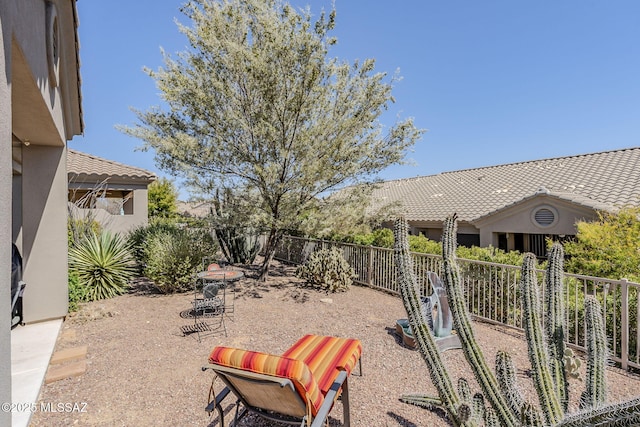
327,404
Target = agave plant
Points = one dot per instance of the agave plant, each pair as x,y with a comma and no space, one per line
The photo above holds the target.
103,263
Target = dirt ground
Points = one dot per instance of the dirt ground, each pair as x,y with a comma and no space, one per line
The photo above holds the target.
143,371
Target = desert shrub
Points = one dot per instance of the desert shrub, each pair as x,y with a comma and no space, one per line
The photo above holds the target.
174,256
327,269
423,245
490,254
381,237
79,228
77,292
139,236
103,264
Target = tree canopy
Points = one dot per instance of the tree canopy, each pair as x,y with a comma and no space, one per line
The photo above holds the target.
162,198
256,104
607,247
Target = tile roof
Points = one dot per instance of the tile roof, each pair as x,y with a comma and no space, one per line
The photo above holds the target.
87,167
603,181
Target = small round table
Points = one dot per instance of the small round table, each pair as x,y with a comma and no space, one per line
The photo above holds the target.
220,275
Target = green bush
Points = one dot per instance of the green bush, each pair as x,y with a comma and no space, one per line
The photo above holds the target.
79,228
423,245
381,237
490,254
139,237
607,247
327,269
77,292
103,264
174,256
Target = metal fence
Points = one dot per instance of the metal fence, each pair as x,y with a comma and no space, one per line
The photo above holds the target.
494,293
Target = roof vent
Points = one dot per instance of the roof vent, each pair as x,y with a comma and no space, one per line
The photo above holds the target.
542,190
544,216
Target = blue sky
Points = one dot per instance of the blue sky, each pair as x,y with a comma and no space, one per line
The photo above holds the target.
492,81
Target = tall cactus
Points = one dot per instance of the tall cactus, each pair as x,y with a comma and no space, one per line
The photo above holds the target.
426,344
462,324
506,406
555,322
595,393
538,354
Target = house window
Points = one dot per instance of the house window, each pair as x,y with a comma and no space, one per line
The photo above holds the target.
53,44
538,245
544,216
468,240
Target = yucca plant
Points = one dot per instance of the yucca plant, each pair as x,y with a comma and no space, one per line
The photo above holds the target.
103,263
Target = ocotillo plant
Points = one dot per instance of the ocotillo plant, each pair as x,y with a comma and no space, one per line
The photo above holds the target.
505,405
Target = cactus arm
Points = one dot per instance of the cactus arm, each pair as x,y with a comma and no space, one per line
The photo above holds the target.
595,393
530,416
490,418
461,416
616,415
462,323
413,305
478,407
464,391
550,405
428,402
506,376
554,322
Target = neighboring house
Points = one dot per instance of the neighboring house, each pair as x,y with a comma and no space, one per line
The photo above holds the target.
518,205
113,194
40,110
195,209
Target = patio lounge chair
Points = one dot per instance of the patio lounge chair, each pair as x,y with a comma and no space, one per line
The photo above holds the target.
299,387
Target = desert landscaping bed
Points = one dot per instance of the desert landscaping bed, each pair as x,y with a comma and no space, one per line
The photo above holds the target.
142,370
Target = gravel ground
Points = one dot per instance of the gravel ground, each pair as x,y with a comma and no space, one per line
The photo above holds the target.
142,370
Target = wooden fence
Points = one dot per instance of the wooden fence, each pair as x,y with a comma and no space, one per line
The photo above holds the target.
494,293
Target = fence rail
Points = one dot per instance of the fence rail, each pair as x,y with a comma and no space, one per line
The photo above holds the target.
493,291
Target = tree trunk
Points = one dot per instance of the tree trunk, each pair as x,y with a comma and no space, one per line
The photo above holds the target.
269,252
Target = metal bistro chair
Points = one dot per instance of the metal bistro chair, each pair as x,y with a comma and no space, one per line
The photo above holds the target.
226,282
208,309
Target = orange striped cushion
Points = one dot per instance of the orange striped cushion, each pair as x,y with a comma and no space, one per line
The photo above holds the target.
281,367
326,357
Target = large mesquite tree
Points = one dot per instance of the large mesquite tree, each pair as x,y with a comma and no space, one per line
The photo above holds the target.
255,103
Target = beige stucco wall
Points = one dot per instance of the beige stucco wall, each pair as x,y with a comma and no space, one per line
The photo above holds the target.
5,212
120,223
518,219
44,232
43,116
33,203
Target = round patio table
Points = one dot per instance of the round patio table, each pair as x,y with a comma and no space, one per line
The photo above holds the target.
221,275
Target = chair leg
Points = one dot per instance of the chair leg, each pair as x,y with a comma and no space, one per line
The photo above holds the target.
346,413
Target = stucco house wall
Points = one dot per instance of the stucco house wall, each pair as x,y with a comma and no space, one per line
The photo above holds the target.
40,110
521,219
93,179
